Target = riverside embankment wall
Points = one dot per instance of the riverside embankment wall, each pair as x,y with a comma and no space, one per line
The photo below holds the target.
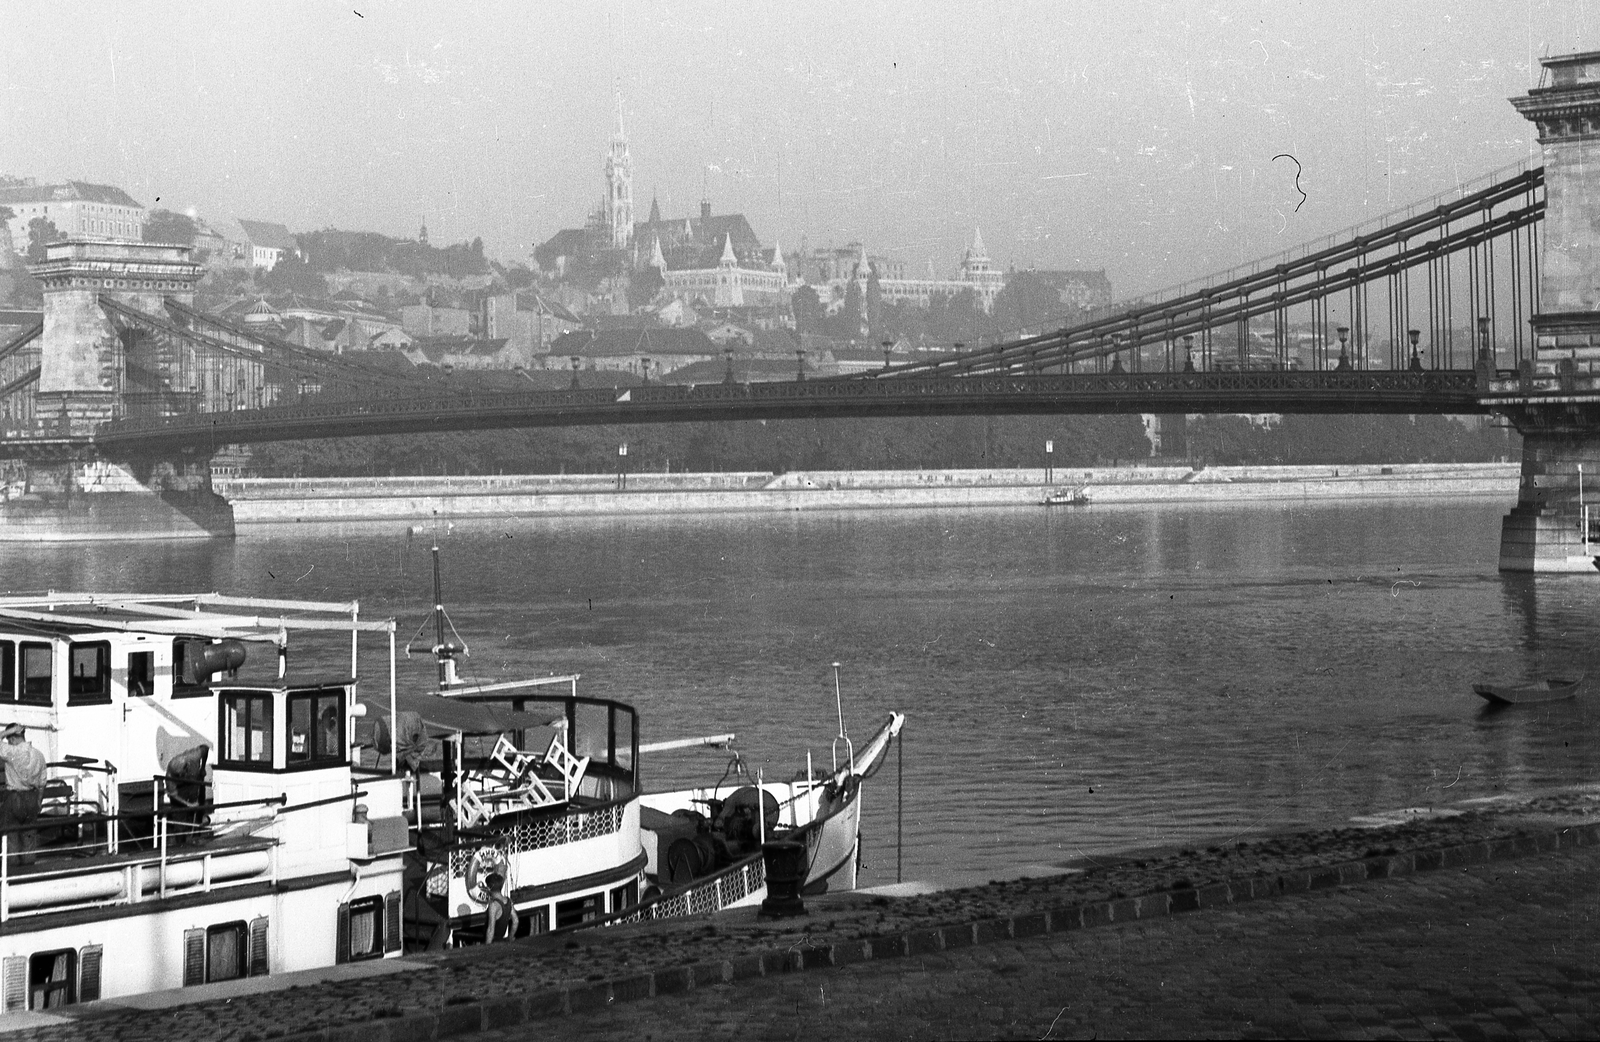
290,501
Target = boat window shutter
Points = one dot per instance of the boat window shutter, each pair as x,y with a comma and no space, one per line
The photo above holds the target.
391,921
341,937
16,982
89,973
194,956
258,947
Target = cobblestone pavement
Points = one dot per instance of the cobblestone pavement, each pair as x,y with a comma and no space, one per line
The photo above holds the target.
1506,950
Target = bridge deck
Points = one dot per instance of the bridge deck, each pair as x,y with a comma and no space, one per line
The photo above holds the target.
1250,391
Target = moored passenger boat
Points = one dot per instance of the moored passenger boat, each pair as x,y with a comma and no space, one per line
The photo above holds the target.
146,868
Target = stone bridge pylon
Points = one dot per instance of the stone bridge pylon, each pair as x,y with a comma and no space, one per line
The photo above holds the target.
89,368
1554,400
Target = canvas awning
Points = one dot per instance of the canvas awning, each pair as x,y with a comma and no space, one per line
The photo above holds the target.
443,715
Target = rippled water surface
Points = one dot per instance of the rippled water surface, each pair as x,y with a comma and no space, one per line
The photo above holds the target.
1076,681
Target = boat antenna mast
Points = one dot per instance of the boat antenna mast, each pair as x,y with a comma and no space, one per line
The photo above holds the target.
444,651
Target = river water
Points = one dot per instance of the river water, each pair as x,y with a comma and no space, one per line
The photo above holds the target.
1077,681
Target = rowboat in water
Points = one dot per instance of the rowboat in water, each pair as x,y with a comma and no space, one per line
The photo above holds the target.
1549,690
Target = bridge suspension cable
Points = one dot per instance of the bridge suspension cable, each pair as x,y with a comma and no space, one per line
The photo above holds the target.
1470,224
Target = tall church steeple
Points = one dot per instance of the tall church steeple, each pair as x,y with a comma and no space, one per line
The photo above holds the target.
618,210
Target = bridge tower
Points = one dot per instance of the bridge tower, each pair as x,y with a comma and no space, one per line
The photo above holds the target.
1555,399
71,491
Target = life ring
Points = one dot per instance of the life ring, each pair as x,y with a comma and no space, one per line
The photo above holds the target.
485,862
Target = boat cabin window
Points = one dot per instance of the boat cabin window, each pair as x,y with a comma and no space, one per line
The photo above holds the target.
365,929
8,670
38,661
52,977
225,951
141,673
89,681
184,683
246,730
316,729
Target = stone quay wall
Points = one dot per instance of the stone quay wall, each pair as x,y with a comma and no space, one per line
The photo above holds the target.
259,502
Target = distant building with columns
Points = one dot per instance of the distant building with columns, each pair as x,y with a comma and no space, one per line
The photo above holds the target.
730,283
976,273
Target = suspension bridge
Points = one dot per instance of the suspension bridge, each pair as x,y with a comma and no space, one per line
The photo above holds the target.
1483,299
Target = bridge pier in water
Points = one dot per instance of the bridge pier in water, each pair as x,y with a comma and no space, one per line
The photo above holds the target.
1554,400
60,487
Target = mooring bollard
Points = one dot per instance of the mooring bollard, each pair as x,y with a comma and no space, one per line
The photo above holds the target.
785,864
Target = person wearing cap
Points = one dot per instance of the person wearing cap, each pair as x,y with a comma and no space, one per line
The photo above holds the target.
25,777
501,920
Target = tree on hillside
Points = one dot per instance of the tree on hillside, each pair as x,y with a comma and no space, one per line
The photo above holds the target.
643,287
809,314
1027,302
292,274
167,226
41,232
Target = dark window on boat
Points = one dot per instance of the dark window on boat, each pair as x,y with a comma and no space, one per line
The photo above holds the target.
360,932
141,673
580,910
316,729
533,921
226,948
625,896
184,683
89,675
38,662
8,670
246,738
52,979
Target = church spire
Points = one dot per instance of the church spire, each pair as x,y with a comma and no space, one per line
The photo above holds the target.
617,209
658,261
655,209
729,260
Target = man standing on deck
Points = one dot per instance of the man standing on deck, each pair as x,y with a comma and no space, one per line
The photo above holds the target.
25,776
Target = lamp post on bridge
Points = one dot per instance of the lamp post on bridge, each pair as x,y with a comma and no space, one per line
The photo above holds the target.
800,364
1415,335
575,360
888,346
1188,352
727,377
644,370
1344,339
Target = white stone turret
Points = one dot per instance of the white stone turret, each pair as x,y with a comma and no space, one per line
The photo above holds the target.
617,209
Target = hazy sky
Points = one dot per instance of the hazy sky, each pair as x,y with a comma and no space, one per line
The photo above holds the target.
1138,138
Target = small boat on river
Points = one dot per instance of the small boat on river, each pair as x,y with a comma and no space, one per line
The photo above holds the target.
1067,497
1549,690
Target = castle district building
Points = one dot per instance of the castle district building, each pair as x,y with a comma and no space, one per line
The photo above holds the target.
976,272
730,283
76,208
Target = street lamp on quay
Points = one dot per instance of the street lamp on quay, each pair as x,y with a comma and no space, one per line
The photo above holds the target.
644,370
800,364
888,346
727,377
575,361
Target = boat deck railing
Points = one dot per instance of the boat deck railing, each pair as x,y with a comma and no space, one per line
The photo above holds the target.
110,859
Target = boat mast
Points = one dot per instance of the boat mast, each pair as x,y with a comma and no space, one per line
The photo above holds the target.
444,652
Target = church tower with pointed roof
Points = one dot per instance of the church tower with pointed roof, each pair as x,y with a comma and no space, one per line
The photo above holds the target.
617,211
